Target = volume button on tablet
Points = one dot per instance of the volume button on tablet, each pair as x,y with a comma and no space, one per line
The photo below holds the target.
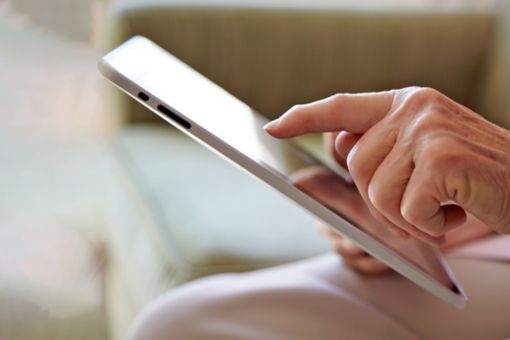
174,117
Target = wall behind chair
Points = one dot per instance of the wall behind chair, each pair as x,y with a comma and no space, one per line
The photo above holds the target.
77,20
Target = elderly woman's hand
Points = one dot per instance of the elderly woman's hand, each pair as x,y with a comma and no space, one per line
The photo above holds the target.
353,255
420,160
329,188
364,263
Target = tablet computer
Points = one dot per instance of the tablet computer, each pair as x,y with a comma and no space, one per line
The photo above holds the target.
209,114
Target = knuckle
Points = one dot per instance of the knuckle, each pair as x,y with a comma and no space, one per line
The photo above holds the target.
335,100
413,215
296,110
409,89
423,95
409,214
439,153
441,156
337,97
298,113
378,197
296,107
433,120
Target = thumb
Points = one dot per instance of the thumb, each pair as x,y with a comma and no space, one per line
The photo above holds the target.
355,113
425,202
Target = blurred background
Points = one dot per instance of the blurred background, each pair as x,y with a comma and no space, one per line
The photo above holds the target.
102,208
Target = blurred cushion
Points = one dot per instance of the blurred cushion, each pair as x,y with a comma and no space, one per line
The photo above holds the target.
50,284
187,213
53,211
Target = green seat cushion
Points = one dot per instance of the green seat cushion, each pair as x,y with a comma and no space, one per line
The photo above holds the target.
208,215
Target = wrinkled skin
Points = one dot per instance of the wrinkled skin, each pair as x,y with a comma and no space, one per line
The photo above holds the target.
422,162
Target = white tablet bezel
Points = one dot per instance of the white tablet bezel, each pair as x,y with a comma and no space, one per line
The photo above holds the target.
454,296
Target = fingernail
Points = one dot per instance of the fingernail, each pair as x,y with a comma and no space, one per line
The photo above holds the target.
271,125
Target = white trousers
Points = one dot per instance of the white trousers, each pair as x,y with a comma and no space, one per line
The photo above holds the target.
323,299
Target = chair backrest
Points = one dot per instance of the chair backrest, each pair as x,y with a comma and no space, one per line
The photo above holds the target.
272,58
493,91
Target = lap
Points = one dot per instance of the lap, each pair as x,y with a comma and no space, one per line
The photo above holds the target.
321,298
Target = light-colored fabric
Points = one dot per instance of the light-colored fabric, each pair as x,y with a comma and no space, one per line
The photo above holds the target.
323,299
494,248
182,213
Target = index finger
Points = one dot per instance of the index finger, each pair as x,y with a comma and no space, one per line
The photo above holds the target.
354,113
